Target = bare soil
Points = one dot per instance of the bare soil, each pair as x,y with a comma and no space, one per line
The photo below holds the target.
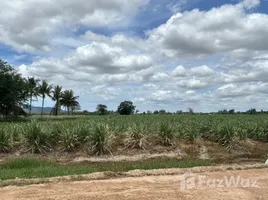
147,187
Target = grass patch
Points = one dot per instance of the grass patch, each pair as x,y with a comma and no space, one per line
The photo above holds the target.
31,167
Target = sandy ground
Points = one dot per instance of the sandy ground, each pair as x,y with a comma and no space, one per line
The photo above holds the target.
252,184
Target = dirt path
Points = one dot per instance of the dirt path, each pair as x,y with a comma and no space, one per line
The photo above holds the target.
147,187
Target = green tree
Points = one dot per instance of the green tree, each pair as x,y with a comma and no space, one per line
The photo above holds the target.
102,109
179,112
126,108
13,89
162,112
232,111
69,100
191,111
252,111
224,111
44,89
33,90
56,96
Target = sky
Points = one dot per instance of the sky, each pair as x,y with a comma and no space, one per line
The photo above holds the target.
161,54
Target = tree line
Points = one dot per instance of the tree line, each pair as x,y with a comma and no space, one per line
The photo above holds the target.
124,108
17,92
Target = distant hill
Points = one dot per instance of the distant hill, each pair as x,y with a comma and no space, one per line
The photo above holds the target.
37,110
47,110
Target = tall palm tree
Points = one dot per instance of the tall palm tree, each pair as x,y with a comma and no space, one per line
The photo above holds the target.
69,100
44,89
56,96
33,90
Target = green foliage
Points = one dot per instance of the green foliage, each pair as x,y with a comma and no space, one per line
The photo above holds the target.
25,162
191,131
37,137
5,140
166,133
98,133
102,109
225,134
191,111
135,137
13,89
56,96
162,112
44,89
68,138
69,100
126,108
32,90
232,111
100,139
31,167
251,111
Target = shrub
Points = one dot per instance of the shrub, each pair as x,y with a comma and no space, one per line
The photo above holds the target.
191,132
68,139
37,137
225,134
166,133
5,141
100,139
135,137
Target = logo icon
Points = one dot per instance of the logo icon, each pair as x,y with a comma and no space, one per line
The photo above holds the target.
191,181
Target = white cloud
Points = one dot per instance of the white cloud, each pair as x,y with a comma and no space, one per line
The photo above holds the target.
28,25
105,92
179,71
208,60
98,63
225,29
201,71
249,4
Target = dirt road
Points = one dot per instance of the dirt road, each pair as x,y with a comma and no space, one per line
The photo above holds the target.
252,185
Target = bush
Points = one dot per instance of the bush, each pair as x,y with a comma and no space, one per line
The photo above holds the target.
100,139
5,141
166,133
191,131
135,137
68,139
37,137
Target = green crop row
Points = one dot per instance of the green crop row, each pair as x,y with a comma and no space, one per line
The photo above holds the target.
102,134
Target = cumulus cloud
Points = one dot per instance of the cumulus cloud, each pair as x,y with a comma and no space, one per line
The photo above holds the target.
207,60
179,71
28,25
202,71
104,91
228,28
249,4
97,62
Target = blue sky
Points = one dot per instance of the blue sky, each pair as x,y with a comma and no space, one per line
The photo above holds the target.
160,54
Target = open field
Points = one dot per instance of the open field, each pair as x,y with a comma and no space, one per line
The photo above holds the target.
109,134
146,187
51,147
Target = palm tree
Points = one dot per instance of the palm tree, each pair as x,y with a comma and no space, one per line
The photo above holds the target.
33,90
56,96
69,100
44,89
